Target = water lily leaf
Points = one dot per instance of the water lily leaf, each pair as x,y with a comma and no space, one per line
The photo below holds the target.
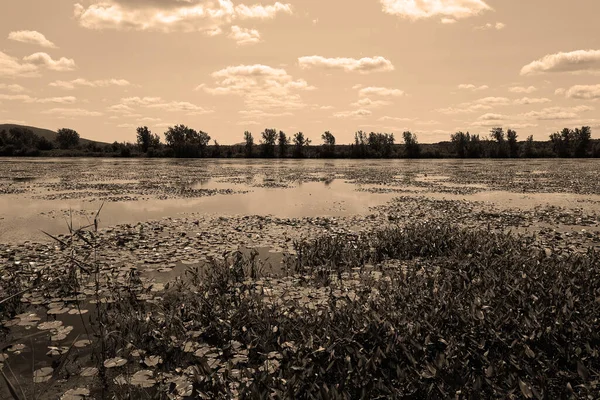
152,361
58,310
82,343
89,371
115,362
75,394
525,389
42,375
143,378
44,326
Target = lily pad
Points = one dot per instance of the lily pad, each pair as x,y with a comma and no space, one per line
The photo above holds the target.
42,375
115,362
89,371
76,394
45,326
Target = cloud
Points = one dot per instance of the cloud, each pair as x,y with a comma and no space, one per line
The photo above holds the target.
168,16
387,118
28,99
522,89
574,61
11,67
72,112
355,113
528,100
261,86
32,37
43,59
70,85
366,102
492,117
263,114
364,65
557,113
583,92
12,88
128,126
380,91
497,26
470,86
499,101
244,36
448,21
180,106
464,108
446,9
127,103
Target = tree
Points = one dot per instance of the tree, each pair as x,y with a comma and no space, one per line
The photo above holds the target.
461,142
282,142
269,136
513,146
328,144
249,143
216,151
411,145
44,144
186,142
529,150
359,148
300,142
497,134
144,138
67,138
582,138
561,142
381,144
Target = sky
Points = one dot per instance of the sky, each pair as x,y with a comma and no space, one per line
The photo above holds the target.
434,67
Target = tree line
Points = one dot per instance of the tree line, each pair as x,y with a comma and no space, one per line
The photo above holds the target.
184,142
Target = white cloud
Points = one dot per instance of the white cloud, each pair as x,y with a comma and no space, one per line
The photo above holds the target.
446,9
363,65
497,26
366,102
522,89
535,100
11,67
62,64
180,106
557,113
244,36
560,91
261,86
448,21
140,101
464,108
128,126
574,61
32,37
121,108
380,91
470,86
583,92
388,118
188,16
12,88
354,113
28,99
72,112
492,117
126,106
498,101
70,85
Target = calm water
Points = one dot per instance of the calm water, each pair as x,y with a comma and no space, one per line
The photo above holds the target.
42,194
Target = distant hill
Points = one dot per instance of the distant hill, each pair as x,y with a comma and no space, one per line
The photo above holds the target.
45,133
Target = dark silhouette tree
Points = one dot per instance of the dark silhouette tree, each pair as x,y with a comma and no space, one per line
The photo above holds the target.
582,138
282,143
186,142
411,145
328,144
513,146
249,146
460,141
529,147
497,134
67,138
269,136
300,142
144,138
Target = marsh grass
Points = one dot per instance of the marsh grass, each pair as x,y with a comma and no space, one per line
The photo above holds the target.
427,310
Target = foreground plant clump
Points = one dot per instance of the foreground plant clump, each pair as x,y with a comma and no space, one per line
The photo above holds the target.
428,310
423,311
